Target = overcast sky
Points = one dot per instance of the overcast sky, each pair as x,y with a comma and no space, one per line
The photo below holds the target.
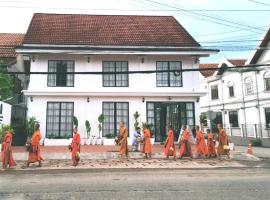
234,32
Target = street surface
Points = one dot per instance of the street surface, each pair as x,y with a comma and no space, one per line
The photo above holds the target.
203,184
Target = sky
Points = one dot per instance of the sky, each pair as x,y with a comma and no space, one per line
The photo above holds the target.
233,26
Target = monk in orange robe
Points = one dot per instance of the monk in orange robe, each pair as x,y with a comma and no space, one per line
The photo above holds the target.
147,148
7,158
34,153
222,141
200,143
185,147
210,144
169,147
123,143
75,146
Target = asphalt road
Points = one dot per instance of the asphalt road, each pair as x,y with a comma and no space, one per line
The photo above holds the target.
231,184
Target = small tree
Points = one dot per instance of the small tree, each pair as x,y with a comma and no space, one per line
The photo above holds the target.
203,120
100,125
136,116
88,128
30,125
75,122
6,84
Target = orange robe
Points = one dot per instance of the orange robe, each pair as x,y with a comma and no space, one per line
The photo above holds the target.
75,145
123,134
211,145
200,143
7,158
147,148
223,140
169,143
34,154
185,147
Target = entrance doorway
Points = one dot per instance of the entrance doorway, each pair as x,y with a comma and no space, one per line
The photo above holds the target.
164,114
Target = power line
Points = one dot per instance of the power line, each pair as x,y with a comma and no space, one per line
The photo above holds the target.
239,25
258,2
176,72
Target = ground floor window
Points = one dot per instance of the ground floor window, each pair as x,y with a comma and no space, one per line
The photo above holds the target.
114,112
267,117
161,115
59,119
233,118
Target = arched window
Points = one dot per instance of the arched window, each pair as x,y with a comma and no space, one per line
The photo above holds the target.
231,88
267,81
248,86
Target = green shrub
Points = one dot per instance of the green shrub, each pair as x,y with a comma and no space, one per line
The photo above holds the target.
256,142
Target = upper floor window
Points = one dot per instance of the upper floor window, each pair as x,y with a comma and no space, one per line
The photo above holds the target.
248,86
233,118
231,89
214,92
267,117
115,79
60,78
169,79
267,81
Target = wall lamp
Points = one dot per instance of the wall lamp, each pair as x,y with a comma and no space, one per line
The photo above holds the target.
88,99
33,58
169,98
31,99
143,99
88,59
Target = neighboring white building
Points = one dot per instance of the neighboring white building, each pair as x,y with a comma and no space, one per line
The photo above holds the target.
99,43
240,98
13,110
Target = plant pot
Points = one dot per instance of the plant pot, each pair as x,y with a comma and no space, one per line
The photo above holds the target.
88,141
57,142
152,140
108,141
0,148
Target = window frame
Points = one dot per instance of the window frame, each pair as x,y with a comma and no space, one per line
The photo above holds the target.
233,113
73,61
216,85
115,75
116,126
250,81
59,130
168,74
267,111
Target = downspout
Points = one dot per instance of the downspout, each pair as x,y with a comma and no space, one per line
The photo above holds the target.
258,104
222,102
243,103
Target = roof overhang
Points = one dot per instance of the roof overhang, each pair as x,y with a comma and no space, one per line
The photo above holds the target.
105,50
113,94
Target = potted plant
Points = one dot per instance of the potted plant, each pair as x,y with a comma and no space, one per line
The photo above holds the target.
109,139
150,127
88,131
100,127
30,126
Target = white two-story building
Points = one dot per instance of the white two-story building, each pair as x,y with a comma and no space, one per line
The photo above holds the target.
99,46
240,98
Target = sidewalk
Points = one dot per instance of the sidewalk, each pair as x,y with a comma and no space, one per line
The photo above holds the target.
96,157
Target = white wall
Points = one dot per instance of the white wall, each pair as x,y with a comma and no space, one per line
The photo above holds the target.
6,113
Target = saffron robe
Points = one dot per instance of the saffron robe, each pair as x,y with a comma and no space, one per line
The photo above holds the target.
200,143
147,148
169,143
185,147
211,144
223,140
75,145
34,154
123,135
7,158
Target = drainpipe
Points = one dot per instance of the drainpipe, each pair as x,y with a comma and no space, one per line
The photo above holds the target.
243,103
258,104
222,102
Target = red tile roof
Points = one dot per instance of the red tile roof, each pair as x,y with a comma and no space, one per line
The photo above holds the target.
121,30
237,61
208,73
8,42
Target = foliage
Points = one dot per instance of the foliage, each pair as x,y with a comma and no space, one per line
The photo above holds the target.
136,117
75,122
100,125
109,136
54,136
30,125
2,134
6,84
88,128
256,142
146,125
203,119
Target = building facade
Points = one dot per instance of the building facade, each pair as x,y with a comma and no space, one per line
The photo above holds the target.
240,98
94,67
